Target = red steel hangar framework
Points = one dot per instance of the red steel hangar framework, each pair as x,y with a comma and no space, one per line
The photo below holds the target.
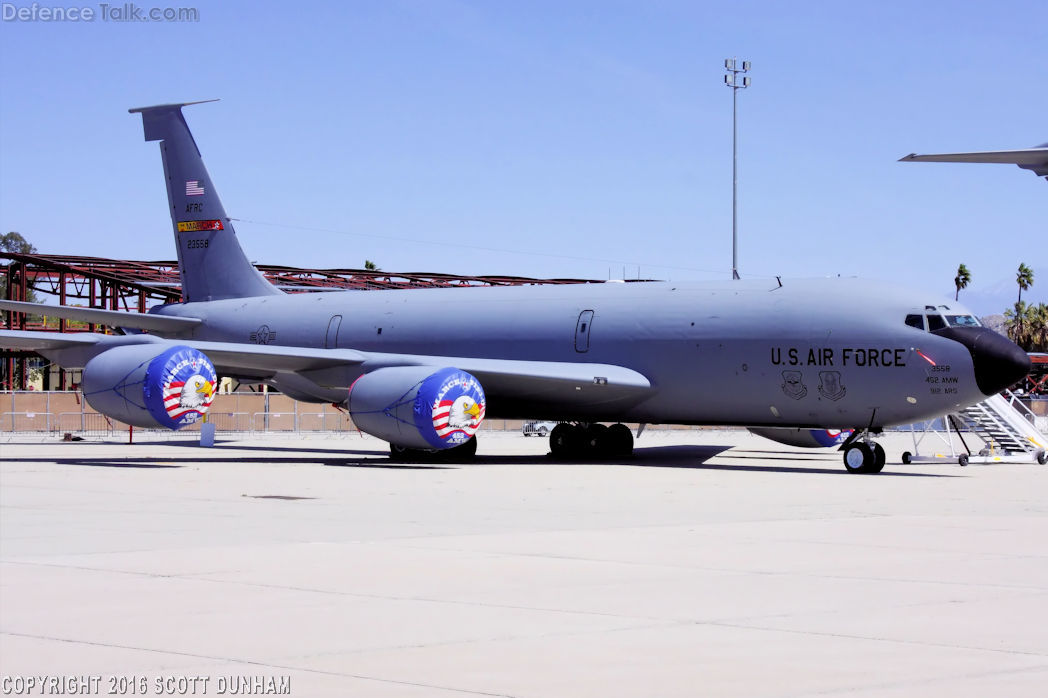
117,284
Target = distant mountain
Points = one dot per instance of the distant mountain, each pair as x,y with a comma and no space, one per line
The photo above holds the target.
995,323
997,296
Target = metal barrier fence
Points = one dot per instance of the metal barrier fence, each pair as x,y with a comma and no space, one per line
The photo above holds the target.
93,423
66,412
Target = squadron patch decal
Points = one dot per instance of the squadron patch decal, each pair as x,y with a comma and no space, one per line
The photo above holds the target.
830,386
793,384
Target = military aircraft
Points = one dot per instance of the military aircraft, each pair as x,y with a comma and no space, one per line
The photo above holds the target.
1033,159
421,368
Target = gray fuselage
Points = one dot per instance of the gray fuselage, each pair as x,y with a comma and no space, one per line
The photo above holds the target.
818,353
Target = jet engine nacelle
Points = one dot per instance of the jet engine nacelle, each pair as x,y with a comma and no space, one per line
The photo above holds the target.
417,407
150,385
805,438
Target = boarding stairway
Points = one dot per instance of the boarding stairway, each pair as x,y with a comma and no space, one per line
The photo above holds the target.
1000,422
1005,425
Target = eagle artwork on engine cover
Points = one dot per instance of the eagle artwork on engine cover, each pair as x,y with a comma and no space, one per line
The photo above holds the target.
458,409
188,383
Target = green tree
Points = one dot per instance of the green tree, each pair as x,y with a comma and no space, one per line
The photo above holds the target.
14,243
1039,327
371,266
961,281
1024,277
1017,321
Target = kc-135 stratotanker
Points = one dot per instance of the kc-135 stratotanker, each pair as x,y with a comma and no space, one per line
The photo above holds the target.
421,368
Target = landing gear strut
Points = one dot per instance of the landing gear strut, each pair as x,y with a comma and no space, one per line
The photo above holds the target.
862,454
590,441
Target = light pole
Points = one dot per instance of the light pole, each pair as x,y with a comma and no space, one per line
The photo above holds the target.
731,79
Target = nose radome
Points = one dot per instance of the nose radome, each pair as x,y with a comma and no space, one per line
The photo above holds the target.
998,361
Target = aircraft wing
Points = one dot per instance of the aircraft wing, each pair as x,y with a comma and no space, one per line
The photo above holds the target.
110,318
568,382
1035,159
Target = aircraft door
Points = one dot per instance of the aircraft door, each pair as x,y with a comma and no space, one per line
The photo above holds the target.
331,339
582,331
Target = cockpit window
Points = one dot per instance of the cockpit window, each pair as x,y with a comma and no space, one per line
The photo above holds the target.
962,321
935,322
915,321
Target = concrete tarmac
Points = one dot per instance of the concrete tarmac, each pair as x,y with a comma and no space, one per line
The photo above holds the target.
710,564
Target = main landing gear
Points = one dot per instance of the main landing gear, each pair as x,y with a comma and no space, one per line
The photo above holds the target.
862,454
584,440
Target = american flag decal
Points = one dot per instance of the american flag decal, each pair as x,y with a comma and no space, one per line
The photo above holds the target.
193,188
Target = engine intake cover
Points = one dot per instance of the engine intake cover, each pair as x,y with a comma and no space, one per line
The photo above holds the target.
417,407
151,386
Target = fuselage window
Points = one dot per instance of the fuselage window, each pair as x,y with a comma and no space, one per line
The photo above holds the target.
962,321
935,322
915,321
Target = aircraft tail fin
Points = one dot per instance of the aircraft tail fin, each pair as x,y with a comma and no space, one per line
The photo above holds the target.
210,260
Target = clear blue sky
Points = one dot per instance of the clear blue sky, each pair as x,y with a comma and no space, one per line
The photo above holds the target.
547,138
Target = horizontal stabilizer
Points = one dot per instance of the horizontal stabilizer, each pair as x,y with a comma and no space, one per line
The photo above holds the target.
231,358
42,341
151,116
109,318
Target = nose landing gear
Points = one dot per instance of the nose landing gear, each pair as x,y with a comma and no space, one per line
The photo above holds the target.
862,454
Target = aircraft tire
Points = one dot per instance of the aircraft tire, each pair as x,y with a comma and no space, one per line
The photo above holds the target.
907,457
594,439
879,458
461,453
563,440
404,454
859,458
620,441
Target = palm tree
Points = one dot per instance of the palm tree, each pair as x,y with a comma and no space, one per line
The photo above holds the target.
1024,277
371,266
1017,320
1039,327
963,278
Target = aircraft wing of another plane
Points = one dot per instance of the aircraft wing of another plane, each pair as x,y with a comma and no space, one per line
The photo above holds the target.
1035,159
